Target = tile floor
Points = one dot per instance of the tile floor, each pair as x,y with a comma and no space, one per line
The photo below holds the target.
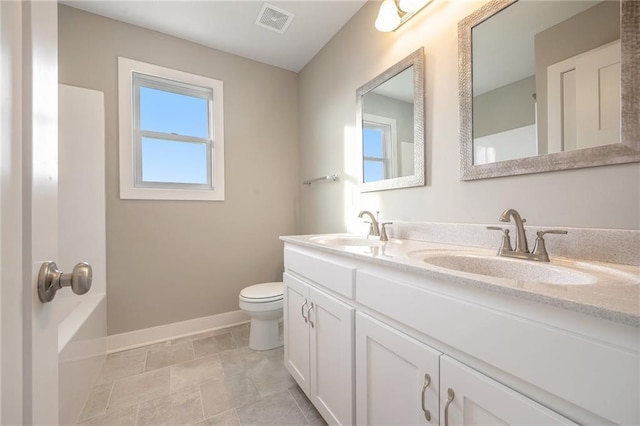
211,378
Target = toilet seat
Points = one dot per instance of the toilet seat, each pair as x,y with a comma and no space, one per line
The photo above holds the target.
262,293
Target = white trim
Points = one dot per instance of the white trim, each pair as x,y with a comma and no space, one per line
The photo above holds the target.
147,336
554,102
126,67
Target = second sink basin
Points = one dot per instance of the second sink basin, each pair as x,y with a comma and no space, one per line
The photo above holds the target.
500,267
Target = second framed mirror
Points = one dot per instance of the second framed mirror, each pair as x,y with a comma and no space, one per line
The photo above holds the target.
548,85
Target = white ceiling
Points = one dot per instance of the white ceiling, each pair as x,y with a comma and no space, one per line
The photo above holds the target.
230,25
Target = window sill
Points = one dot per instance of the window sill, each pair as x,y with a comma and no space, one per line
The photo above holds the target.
171,194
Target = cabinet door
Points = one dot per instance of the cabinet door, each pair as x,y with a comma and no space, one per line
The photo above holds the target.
468,397
296,330
397,377
332,387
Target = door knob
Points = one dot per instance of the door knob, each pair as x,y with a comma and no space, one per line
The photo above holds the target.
50,280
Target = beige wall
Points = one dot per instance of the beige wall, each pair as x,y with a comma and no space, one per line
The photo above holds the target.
601,197
506,108
171,261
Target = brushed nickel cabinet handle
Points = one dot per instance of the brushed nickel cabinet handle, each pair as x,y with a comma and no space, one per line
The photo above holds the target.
309,315
427,382
451,395
302,310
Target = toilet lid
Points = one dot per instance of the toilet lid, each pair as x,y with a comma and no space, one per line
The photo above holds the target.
266,292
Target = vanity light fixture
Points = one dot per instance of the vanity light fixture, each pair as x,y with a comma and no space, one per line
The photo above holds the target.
394,13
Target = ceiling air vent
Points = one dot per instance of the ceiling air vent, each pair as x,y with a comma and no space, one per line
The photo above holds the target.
274,18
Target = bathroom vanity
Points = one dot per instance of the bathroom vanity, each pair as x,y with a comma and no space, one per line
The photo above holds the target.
413,332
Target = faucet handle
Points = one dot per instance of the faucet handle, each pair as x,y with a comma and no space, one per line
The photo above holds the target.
552,231
506,240
383,231
371,229
540,249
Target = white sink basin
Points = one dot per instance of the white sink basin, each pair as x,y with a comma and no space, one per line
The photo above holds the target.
346,241
501,267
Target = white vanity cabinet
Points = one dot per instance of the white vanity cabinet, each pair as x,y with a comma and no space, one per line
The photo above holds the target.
318,338
508,360
397,377
468,397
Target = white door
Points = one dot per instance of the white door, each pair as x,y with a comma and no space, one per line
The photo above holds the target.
468,397
331,348
584,100
397,378
598,97
30,83
40,22
296,330
11,268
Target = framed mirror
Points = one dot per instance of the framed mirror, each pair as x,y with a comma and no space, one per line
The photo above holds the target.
548,85
390,122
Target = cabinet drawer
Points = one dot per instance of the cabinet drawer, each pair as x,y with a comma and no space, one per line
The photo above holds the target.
326,273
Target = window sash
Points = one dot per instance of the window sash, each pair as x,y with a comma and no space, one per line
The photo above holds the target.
143,80
373,160
140,183
386,146
173,86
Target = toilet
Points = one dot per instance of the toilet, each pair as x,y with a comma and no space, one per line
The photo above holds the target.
263,303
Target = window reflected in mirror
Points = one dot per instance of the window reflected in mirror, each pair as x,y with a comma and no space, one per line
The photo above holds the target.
376,141
387,129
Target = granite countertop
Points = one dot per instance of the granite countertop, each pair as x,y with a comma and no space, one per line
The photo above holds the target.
612,292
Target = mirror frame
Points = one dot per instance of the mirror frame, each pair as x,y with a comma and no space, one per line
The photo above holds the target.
415,59
627,151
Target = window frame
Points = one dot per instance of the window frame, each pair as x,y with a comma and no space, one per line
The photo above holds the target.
389,130
383,159
157,83
170,80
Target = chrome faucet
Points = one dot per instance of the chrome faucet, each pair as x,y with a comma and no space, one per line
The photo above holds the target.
374,229
522,249
521,236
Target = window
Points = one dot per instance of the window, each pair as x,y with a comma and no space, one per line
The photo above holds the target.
374,153
378,142
171,134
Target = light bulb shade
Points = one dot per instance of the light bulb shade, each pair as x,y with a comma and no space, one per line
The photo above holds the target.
410,6
388,17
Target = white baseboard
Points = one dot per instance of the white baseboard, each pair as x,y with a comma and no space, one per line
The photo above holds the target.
161,333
